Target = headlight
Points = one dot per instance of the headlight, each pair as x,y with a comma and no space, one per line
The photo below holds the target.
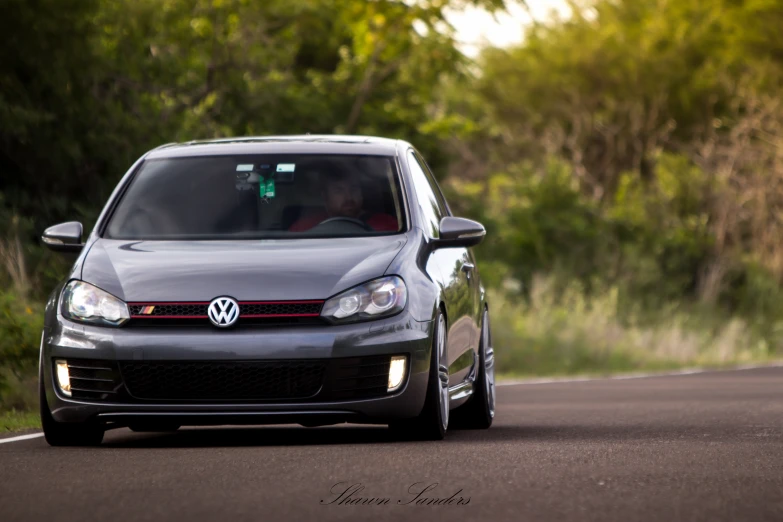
379,298
86,303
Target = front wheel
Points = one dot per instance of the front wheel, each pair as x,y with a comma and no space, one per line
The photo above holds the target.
67,434
433,421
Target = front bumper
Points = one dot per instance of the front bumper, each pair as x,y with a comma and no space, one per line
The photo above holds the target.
331,344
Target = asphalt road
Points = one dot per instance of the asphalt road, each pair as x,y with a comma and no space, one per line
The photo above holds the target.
695,447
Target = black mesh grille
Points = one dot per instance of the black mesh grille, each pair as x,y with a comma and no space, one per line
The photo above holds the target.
185,310
173,310
240,380
313,308
360,377
244,322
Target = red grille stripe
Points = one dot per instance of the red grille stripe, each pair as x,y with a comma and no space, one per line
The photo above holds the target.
259,316
313,301
169,317
157,303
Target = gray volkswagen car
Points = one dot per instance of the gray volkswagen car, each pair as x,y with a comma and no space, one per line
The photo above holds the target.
312,280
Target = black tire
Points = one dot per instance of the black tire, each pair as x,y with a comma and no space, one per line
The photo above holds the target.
66,434
430,424
479,412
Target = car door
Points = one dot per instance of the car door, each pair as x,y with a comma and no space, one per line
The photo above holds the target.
455,268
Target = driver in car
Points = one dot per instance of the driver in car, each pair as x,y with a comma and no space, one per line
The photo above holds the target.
343,198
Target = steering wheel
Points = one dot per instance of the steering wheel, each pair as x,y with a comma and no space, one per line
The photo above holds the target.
353,221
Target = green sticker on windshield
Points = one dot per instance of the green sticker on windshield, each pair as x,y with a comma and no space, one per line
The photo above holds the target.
266,189
270,188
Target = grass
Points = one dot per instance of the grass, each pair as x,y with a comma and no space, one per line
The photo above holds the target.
14,420
19,401
563,333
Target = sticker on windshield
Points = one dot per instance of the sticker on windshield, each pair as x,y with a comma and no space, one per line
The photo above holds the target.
285,167
270,188
266,189
244,167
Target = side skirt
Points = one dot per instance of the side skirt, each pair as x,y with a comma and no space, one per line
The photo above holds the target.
461,390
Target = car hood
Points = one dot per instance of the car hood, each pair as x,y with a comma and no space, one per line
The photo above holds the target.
139,271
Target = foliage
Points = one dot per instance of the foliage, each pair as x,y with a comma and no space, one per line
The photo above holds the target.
638,145
14,420
21,324
98,82
563,333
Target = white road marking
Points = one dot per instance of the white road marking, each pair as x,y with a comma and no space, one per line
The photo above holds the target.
21,437
624,376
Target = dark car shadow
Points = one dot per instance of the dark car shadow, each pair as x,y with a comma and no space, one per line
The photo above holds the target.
292,435
249,436
357,434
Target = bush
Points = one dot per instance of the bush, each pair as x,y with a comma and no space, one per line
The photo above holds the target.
560,331
651,241
21,324
538,221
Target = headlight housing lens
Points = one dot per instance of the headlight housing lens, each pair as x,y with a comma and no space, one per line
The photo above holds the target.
85,303
378,298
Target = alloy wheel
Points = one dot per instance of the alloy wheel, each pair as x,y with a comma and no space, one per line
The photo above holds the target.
443,373
489,367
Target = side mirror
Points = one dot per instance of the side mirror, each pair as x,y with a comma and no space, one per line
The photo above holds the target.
65,237
460,232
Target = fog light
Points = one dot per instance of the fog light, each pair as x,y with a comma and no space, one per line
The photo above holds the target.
63,378
396,372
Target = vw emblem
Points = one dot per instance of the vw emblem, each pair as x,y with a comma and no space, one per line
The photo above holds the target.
223,312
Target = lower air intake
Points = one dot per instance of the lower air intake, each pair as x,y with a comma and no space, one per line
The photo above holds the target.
94,380
223,381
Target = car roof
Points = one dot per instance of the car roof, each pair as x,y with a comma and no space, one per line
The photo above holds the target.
302,144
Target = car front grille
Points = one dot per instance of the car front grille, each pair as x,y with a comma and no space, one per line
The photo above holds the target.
280,309
249,309
180,310
231,380
312,380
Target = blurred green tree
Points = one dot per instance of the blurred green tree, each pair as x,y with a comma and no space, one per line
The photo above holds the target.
88,85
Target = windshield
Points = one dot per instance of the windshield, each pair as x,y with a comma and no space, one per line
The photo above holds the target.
262,196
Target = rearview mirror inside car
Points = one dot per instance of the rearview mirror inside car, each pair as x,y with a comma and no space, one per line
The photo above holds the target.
65,237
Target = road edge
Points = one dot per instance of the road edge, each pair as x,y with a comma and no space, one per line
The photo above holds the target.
19,438
510,381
